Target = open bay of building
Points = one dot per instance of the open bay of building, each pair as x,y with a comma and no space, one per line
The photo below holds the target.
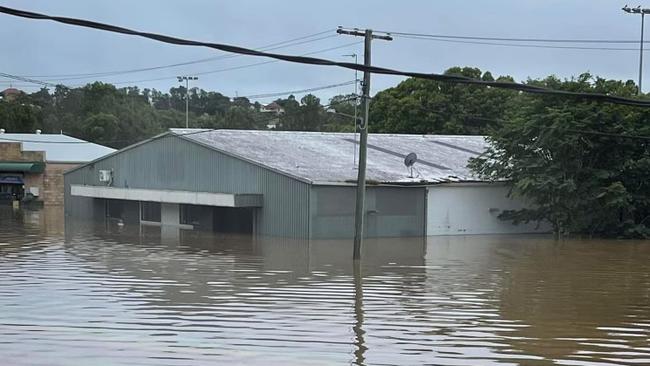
74,293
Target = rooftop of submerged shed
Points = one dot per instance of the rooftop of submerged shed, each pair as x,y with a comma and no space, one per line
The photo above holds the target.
329,158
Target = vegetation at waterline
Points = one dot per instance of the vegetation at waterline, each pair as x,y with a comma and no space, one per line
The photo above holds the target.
584,166
568,157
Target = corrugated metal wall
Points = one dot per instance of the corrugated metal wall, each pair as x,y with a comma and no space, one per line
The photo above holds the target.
173,163
390,212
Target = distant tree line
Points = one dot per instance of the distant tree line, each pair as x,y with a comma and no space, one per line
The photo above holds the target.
584,166
118,117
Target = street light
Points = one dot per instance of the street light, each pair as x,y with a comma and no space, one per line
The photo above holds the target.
356,94
643,12
357,121
187,96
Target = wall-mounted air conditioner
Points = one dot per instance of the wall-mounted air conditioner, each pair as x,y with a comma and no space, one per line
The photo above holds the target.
105,176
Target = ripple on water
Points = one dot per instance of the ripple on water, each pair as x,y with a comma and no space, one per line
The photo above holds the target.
98,296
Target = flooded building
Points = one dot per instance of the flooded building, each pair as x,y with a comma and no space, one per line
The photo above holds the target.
292,184
32,164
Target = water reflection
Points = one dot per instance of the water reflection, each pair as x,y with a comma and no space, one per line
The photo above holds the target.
106,294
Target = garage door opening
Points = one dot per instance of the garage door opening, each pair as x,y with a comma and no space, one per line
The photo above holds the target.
233,220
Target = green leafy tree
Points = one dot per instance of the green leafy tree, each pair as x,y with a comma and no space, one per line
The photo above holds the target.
576,180
425,106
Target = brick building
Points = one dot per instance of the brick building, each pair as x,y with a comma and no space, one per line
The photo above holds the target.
33,164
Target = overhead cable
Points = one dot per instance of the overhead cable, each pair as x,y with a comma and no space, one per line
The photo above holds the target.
161,67
457,79
279,94
239,67
28,80
521,45
541,40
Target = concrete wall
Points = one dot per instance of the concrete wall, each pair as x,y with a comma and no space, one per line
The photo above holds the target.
461,209
390,212
171,162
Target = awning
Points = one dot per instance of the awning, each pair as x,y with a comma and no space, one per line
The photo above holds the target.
169,196
11,180
27,167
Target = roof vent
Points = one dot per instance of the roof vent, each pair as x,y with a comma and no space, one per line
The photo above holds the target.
38,132
2,130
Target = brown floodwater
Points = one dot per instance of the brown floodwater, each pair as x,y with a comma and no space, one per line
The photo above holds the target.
73,293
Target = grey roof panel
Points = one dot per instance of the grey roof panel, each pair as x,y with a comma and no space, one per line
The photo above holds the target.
58,148
328,157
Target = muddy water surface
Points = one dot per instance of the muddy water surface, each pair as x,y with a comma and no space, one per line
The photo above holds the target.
92,294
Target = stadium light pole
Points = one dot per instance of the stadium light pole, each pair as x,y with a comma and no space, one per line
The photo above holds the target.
643,12
187,96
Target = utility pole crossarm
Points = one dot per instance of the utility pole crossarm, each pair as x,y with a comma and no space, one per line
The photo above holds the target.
362,33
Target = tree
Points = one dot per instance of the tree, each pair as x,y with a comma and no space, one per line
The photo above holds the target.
425,106
578,181
101,128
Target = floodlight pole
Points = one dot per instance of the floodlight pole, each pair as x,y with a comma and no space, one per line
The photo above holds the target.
359,212
643,12
187,96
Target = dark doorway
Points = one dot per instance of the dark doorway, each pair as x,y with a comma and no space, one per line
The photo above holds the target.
11,187
233,220
127,211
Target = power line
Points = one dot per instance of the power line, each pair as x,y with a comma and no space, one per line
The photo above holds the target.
272,46
520,45
458,79
32,81
232,68
541,40
224,57
279,94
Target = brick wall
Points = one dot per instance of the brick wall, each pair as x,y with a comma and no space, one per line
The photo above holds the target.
12,151
52,189
49,183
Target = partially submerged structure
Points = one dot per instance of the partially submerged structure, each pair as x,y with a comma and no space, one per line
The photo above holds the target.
292,184
32,164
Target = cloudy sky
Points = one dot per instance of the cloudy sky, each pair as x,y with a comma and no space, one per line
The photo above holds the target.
59,53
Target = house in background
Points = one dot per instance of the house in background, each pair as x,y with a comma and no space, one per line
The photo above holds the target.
292,184
272,109
32,164
10,94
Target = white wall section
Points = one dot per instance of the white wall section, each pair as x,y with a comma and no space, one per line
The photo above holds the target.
465,209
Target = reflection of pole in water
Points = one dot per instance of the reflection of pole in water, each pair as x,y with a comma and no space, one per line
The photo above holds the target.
359,341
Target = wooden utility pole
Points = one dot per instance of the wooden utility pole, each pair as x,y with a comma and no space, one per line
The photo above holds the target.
359,212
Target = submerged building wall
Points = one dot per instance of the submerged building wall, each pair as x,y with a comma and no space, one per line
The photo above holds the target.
390,212
172,163
473,208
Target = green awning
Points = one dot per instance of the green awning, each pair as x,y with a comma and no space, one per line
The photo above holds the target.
27,167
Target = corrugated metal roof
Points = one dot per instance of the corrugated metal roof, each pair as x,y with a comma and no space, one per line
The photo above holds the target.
58,148
327,158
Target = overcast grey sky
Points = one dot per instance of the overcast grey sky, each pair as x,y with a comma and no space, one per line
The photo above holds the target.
42,49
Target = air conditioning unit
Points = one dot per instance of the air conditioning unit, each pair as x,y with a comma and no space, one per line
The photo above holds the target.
105,176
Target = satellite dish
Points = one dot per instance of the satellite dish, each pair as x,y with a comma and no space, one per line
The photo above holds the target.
409,161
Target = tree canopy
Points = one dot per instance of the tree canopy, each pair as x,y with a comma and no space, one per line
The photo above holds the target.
575,161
